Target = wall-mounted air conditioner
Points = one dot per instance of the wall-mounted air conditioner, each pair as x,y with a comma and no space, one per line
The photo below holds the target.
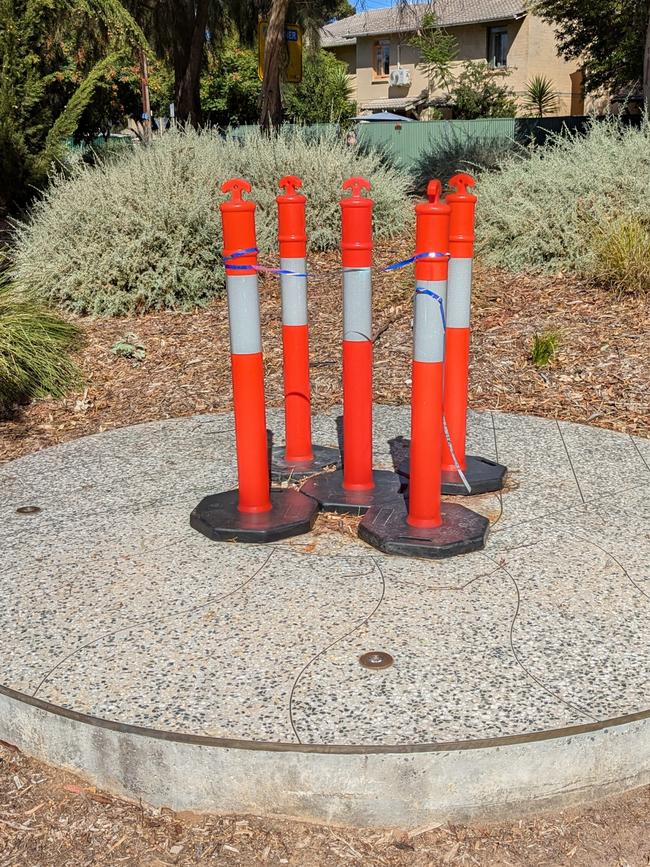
400,77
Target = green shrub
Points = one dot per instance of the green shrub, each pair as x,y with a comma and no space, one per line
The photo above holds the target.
622,255
144,232
324,95
461,151
538,214
34,347
479,91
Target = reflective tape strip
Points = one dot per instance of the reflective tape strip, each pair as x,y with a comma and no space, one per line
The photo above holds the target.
357,304
459,293
428,327
294,293
244,314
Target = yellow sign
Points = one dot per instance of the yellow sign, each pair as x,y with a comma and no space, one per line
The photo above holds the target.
293,45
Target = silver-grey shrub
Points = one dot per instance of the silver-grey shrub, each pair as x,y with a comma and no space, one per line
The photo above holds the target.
143,232
540,213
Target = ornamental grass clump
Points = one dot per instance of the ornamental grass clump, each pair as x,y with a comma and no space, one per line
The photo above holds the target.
622,255
544,348
542,213
34,350
143,232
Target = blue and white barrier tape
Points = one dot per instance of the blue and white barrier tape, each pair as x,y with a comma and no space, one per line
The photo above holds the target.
280,271
403,263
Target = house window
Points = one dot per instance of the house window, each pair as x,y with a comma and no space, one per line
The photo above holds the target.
498,46
381,66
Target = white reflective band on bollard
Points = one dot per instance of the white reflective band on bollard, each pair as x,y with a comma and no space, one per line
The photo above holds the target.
244,314
357,304
459,293
294,292
428,327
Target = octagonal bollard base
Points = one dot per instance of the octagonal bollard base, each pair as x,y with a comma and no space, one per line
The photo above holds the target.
286,471
482,474
217,517
328,491
461,531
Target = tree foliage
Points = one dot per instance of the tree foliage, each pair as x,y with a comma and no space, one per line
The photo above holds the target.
230,86
479,92
606,36
438,50
189,35
231,89
52,58
323,95
180,31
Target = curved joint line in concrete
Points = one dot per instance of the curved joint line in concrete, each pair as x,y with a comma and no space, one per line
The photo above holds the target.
139,623
640,453
609,554
519,662
377,567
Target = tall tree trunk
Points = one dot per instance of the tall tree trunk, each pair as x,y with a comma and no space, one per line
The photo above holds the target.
191,22
271,104
646,67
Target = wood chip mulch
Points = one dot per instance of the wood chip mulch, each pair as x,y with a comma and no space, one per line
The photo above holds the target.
600,375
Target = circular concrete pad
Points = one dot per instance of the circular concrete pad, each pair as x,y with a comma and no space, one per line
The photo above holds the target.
213,675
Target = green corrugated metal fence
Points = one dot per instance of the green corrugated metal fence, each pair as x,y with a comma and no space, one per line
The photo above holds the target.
406,141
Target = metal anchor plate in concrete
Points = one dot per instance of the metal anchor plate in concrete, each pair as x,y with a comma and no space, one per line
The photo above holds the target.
227,677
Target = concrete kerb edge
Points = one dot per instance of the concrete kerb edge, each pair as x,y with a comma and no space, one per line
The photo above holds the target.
363,786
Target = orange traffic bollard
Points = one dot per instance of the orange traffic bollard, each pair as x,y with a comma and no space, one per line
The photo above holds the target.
299,457
358,487
427,527
252,512
461,474
432,234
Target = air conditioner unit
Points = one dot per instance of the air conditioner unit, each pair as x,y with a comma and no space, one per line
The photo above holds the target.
400,77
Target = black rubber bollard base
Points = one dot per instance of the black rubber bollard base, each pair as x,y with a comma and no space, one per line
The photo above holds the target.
286,471
218,518
482,474
461,531
327,489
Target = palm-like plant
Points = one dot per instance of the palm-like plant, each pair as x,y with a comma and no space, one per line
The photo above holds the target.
540,98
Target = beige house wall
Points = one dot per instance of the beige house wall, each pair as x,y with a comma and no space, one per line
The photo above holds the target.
532,51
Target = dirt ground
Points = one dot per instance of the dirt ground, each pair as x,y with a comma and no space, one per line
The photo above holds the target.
600,374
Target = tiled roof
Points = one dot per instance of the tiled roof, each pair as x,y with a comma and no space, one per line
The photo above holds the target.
450,13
